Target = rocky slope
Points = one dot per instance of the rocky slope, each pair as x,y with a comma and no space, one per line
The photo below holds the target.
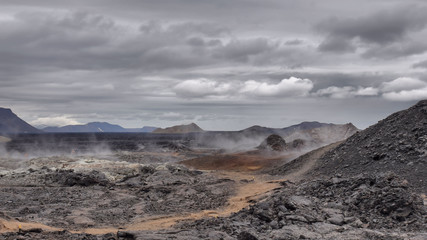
192,127
11,123
397,143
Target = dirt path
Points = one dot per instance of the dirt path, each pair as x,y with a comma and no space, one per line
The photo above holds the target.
7,225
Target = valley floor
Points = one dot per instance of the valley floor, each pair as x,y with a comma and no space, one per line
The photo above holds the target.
213,196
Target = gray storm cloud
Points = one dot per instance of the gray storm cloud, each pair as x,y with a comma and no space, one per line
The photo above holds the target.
384,34
223,63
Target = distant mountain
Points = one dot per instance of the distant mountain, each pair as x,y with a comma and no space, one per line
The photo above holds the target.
308,125
90,127
148,129
98,127
258,130
314,135
192,127
10,123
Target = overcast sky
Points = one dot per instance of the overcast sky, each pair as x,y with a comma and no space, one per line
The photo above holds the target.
222,64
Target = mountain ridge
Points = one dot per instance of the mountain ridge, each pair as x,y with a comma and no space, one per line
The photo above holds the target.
97,127
10,123
189,128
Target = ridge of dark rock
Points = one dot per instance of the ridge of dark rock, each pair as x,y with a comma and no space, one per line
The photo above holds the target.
398,143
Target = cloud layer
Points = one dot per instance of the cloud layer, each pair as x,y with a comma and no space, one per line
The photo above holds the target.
223,63
200,88
383,34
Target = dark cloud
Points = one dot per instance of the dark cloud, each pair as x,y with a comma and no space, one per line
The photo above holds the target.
83,41
337,44
294,42
243,50
396,50
381,28
374,31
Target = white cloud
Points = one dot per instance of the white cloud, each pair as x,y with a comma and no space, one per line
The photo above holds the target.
369,91
337,92
400,89
201,88
198,88
290,87
407,95
346,92
404,89
402,83
54,121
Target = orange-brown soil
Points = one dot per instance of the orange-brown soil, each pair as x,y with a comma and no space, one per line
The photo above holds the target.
245,161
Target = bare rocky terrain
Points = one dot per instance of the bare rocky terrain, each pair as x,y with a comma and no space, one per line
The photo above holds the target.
370,186
397,143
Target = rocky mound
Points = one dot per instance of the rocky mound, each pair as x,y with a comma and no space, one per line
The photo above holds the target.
298,143
273,142
397,143
276,143
192,127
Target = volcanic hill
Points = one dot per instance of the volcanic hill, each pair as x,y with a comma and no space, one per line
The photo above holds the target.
192,127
